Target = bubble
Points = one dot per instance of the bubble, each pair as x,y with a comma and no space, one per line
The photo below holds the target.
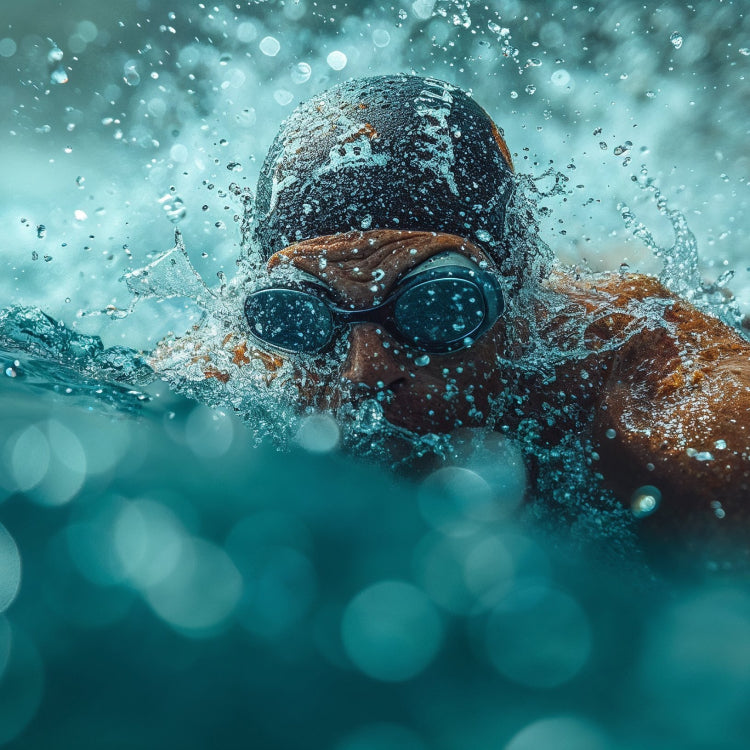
645,500
560,78
538,637
381,38
423,8
562,733
300,73
283,96
87,30
676,39
246,118
178,153
318,433
269,46
337,60
201,593
246,32
10,571
209,432
391,631
8,47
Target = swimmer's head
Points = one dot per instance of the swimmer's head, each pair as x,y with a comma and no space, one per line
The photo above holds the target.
411,320
393,152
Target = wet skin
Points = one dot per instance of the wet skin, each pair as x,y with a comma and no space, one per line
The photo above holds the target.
452,390
659,387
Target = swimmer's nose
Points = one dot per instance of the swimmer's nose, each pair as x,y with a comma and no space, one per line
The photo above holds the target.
370,360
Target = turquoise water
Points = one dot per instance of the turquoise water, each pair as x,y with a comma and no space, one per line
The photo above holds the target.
169,576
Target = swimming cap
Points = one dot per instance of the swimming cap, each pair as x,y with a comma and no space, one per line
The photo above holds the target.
387,152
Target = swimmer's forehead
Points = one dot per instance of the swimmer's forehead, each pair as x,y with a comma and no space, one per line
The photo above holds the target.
351,262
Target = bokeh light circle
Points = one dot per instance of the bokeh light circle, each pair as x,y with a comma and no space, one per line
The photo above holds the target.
538,636
391,631
10,569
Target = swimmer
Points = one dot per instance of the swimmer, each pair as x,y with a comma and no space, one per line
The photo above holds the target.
383,211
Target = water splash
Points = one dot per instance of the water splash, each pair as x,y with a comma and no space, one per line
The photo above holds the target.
680,262
39,352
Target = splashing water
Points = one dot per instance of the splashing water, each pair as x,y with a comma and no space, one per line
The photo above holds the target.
680,262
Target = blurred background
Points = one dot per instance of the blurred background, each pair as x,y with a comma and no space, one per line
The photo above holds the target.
165,581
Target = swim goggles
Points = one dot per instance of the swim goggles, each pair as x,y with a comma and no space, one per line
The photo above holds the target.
438,308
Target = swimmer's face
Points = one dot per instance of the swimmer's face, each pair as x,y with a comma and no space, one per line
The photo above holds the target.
439,392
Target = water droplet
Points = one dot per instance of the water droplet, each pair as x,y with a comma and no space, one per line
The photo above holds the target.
130,73
676,39
744,51
234,166
173,207
55,55
650,94
611,434
645,501
59,76
337,60
530,90
41,231
603,145
381,38
283,97
720,445
422,360
8,47
269,46
560,78
300,73
318,433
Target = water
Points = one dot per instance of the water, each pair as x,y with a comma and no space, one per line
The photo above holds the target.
168,574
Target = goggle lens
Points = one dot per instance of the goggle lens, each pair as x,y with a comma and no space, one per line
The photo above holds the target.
289,319
439,312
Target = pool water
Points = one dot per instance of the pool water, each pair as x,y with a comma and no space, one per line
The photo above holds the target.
187,566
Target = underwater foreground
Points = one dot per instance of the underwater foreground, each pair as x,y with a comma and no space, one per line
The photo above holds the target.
180,587
168,576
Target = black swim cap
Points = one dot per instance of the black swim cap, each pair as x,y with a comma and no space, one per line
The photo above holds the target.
388,152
